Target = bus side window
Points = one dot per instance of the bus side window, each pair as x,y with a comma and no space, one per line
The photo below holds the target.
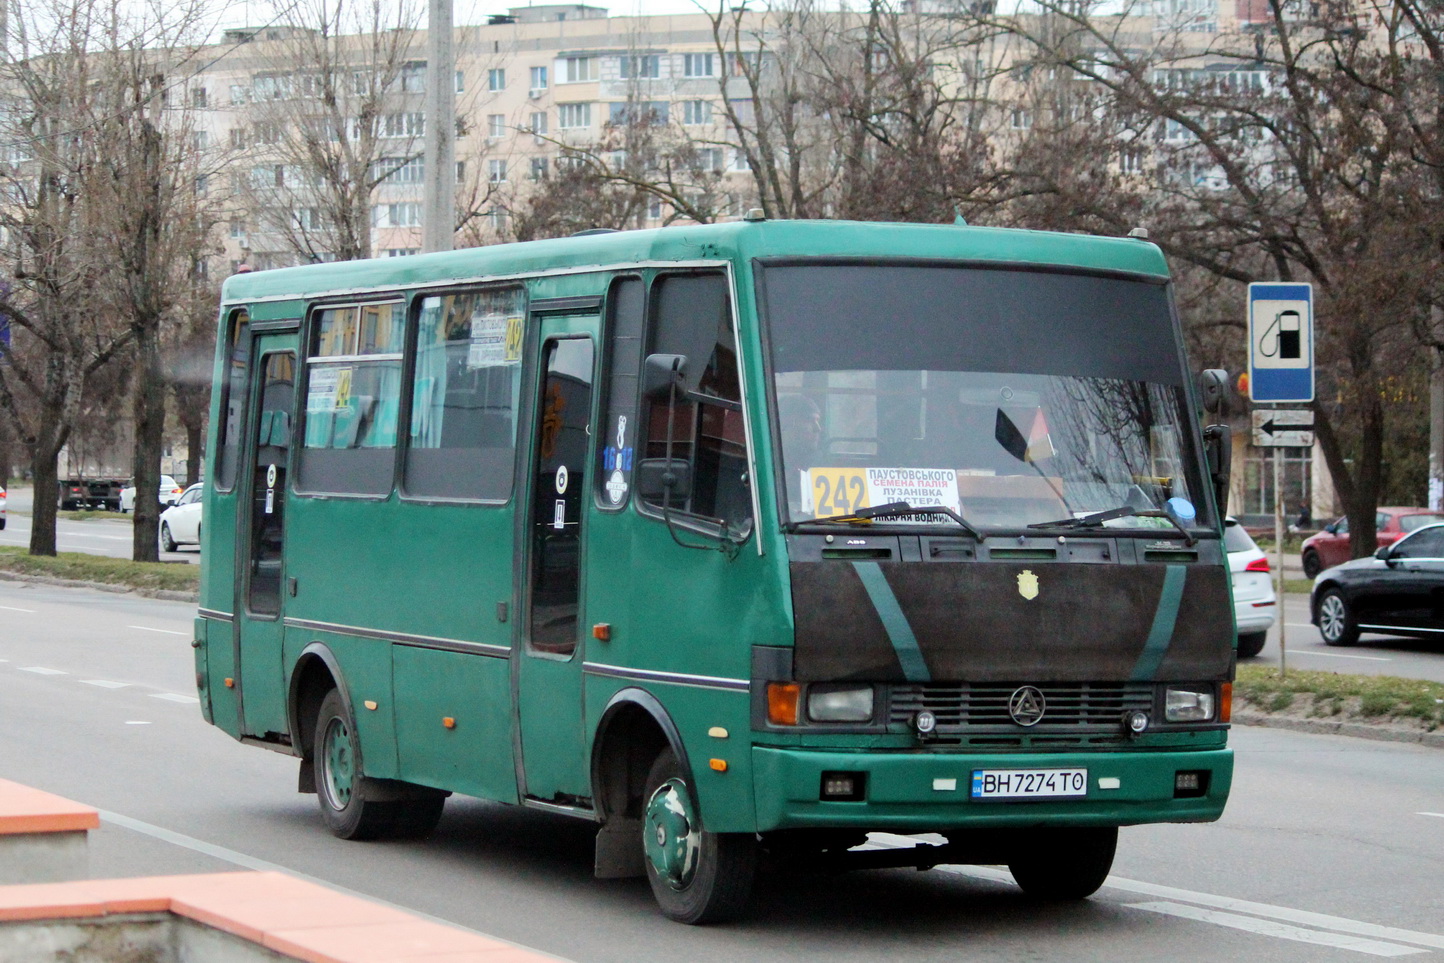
692,316
617,448
238,365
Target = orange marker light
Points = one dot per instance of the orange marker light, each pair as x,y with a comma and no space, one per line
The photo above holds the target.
230,683
1225,702
448,722
782,700
719,765
602,631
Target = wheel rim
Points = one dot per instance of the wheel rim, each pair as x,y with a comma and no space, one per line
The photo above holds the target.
1331,617
672,843
338,768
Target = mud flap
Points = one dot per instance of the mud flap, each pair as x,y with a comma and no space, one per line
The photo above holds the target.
619,849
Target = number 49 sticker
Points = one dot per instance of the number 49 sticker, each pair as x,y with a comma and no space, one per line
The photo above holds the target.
837,491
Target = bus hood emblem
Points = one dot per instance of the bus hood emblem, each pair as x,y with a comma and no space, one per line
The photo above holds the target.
1027,705
1028,584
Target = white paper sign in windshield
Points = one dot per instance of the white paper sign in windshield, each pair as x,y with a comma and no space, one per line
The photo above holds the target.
839,491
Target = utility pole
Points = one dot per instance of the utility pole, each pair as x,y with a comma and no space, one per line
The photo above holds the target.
438,225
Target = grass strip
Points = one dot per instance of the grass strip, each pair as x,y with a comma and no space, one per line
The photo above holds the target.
1330,695
98,568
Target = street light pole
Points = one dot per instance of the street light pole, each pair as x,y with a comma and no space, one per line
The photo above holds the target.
439,200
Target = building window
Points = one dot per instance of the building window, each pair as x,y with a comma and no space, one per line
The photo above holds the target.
697,112
402,251
404,214
644,67
538,168
496,78
577,70
708,159
240,94
410,124
496,171
574,116
413,78
401,170
1130,160
198,97
538,78
539,123
496,125
697,65
461,81
238,137
1021,119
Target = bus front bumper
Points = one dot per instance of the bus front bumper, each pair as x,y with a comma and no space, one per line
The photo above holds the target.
917,792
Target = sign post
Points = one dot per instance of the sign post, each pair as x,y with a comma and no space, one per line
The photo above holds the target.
1281,371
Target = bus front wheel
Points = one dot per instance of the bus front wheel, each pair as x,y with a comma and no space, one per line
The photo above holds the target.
696,876
1065,864
343,791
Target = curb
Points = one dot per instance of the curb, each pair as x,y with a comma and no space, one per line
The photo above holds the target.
1356,730
169,595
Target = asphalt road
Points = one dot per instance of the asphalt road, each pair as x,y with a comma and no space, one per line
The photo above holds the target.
1304,648
100,536
1329,850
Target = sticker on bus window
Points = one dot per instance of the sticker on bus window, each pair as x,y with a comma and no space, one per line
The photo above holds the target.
841,491
495,341
321,393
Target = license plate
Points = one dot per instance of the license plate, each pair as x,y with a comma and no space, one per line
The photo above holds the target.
1029,783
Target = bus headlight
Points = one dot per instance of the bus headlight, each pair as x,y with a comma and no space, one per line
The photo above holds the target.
1188,705
839,703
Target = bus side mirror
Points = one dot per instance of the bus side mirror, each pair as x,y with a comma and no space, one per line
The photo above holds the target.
1213,389
663,478
662,374
1218,448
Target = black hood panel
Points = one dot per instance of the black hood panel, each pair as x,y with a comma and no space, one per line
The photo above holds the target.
912,622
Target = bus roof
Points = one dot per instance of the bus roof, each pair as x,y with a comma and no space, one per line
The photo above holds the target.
733,240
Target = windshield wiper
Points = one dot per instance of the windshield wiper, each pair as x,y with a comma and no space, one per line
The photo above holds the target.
1096,520
893,509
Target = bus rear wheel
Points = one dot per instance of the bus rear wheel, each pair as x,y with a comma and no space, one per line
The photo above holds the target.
1065,864
343,791
696,876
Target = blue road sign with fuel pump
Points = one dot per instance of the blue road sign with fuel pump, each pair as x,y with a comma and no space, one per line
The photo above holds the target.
1281,342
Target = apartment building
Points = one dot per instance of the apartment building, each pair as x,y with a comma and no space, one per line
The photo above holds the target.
533,88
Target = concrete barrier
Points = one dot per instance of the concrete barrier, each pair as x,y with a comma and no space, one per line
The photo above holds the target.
244,917
43,838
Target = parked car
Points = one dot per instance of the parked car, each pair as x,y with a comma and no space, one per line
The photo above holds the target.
2,507
181,523
1394,592
1254,602
1330,547
170,493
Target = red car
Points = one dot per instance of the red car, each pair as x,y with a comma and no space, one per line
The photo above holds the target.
1330,547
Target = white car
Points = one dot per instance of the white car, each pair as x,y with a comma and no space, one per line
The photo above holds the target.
1254,603
181,523
170,492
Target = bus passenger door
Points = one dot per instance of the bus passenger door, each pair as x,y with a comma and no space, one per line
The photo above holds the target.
549,664
260,538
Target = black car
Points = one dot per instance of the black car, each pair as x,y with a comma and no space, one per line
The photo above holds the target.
1399,590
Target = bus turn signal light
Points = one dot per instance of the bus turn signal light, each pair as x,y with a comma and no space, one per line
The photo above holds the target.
782,702
1225,702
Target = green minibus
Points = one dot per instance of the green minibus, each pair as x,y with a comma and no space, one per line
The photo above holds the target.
737,540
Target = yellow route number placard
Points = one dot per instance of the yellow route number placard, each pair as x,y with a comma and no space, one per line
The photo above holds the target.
837,491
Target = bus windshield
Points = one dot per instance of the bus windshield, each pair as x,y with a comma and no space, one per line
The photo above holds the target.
1013,398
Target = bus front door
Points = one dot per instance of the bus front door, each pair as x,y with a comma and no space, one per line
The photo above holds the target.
260,538
549,661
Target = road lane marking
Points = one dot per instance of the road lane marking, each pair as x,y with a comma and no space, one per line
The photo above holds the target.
170,697
136,722
41,670
1440,815
1340,655
146,628
106,683
1338,924
1281,931
11,608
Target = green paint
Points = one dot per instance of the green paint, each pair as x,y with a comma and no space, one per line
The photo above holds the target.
1164,619
894,621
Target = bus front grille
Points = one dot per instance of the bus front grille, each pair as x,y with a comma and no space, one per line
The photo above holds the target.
1069,707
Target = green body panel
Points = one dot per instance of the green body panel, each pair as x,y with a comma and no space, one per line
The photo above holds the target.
436,573
203,686
474,755
901,796
366,676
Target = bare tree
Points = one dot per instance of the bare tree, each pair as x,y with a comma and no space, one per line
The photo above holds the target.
335,113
